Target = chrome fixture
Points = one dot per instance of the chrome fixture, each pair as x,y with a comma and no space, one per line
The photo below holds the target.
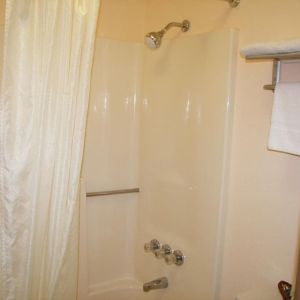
153,246
277,60
234,3
164,251
153,39
157,284
113,192
176,258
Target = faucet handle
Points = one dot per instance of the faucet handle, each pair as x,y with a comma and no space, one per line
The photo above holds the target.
164,251
153,246
176,258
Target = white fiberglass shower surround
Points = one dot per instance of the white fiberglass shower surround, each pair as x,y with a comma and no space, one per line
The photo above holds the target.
159,120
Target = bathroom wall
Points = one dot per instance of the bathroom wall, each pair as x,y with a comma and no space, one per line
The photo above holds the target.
263,210
122,20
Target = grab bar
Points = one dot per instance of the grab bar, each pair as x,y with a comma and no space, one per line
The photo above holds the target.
113,192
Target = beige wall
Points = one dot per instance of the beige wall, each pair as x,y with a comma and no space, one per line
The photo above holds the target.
122,19
264,196
259,20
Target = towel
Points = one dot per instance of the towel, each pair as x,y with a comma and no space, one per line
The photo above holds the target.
272,48
285,127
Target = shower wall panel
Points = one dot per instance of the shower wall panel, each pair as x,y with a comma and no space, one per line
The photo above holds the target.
111,162
187,109
158,120
111,149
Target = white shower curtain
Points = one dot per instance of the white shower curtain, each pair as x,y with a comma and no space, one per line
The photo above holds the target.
48,51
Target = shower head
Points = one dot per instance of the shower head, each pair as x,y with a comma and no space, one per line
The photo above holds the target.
153,39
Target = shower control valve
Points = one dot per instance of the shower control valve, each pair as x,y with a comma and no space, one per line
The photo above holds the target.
153,246
176,258
164,251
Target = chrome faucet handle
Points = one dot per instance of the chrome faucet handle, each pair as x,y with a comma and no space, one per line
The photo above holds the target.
164,251
153,246
176,258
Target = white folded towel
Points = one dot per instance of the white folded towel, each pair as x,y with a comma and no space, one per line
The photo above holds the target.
272,48
285,127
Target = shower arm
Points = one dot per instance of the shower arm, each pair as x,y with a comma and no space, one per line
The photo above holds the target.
185,26
172,24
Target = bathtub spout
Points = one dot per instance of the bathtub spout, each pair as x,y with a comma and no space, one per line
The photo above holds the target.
160,283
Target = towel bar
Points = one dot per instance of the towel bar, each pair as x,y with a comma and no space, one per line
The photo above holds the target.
277,58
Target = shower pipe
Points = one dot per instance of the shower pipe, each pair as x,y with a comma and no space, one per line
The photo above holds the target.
113,192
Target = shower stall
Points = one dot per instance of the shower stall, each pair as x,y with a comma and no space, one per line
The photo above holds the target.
159,125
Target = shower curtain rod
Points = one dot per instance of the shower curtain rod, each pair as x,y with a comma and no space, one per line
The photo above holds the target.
113,192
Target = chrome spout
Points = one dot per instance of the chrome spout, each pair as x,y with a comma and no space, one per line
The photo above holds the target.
160,283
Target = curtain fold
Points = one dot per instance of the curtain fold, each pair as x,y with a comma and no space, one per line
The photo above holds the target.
48,52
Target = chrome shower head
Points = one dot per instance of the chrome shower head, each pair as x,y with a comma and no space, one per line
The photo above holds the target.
153,39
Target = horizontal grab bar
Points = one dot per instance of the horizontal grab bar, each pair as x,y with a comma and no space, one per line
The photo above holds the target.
113,192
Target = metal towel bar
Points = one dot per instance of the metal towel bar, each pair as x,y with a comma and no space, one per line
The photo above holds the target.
113,192
277,58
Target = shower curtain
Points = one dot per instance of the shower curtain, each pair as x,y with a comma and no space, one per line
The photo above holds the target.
48,51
